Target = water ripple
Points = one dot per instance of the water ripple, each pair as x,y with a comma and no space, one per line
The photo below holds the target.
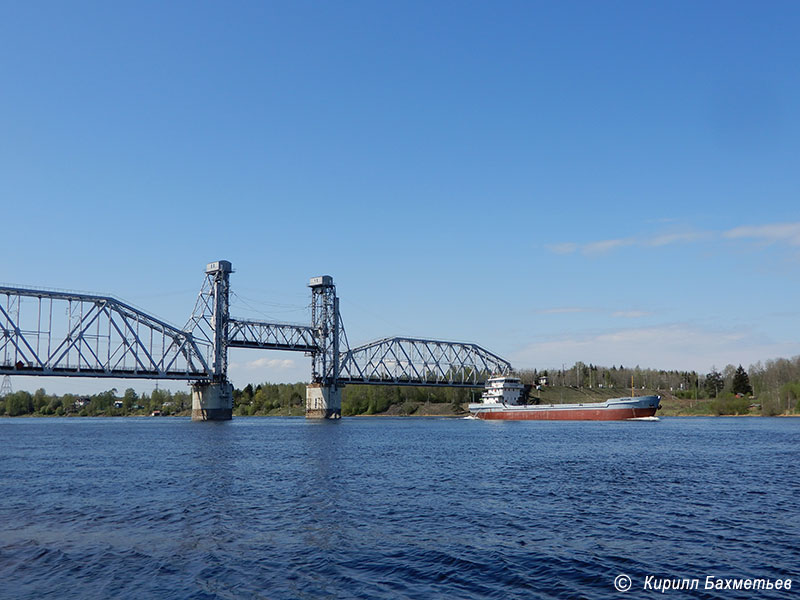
391,508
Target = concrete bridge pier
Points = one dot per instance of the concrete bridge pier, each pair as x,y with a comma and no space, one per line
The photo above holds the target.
323,401
212,401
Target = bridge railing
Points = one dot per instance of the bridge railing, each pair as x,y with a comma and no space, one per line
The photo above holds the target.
420,362
45,332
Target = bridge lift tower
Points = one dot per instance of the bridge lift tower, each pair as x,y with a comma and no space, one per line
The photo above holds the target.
211,323
324,393
212,400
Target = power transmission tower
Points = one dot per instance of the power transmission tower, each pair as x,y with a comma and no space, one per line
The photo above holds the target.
6,388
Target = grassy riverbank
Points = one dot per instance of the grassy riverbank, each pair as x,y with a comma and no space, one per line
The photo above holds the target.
671,405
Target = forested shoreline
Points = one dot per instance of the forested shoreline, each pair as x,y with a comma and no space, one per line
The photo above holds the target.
769,388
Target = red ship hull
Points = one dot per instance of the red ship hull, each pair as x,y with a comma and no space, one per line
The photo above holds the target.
617,414
617,409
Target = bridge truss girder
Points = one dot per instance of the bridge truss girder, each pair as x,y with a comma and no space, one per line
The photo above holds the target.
244,333
104,337
420,362
100,337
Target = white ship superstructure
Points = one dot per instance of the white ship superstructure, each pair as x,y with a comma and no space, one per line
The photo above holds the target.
503,390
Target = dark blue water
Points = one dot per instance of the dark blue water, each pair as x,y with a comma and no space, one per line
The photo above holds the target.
393,508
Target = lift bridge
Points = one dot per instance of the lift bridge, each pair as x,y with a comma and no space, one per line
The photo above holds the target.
67,334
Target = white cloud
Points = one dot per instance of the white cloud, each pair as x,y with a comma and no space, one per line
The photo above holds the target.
770,234
606,245
565,248
280,364
677,346
248,366
788,233
603,246
630,314
563,310
675,238
571,310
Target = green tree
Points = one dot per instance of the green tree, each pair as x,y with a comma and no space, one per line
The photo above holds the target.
19,403
261,401
248,392
40,400
714,383
54,406
68,402
157,400
728,404
103,401
130,399
182,400
741,382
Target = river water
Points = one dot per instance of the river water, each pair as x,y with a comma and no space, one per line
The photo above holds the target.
394,508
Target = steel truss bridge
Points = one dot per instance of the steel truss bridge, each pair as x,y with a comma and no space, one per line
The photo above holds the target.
68,334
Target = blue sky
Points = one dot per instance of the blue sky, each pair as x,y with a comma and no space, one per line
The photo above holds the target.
610,182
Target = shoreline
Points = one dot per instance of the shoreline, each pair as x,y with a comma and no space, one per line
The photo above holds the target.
381,415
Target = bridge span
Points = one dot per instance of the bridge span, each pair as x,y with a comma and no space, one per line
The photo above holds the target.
68,334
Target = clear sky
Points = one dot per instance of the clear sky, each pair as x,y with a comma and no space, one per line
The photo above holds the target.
610,182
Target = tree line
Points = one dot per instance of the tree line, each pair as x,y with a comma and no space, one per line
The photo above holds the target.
108,403
289,399
773,386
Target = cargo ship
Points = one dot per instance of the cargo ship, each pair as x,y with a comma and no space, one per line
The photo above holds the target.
505,398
